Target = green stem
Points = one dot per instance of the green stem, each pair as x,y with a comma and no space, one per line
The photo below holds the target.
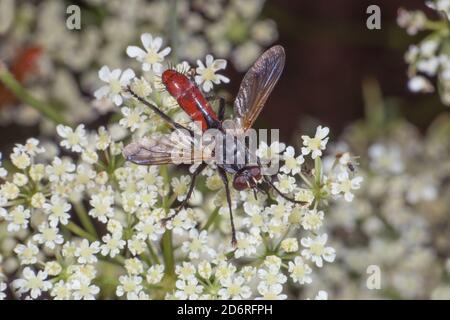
166,243
211,219
153,254
168,253
10,82
72,227
305,179
85,219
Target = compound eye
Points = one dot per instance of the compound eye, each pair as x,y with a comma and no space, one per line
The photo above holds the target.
240,182
255,172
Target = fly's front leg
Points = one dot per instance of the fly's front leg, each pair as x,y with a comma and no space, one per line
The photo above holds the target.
282,194
223,175
168,119
183,204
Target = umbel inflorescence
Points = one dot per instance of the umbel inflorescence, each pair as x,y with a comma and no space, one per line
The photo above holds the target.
430,57
77,221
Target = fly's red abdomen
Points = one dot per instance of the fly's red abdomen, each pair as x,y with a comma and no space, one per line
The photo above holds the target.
189,97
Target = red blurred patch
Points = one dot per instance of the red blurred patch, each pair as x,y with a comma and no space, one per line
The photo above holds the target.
23,65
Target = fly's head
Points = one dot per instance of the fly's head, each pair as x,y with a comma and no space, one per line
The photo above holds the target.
247,177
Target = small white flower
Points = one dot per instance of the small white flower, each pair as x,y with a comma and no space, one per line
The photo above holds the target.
345,185
61,291
27,254
3,287
155,274
152,57
9,190
317,144
102,207
271,292
133,118
38,200
300,271
271,276
32,147
32,282
141,87
285,183
185,271
85,252
312,219
206,75
316,251
136,245
102,139
181,186
420,84
129,285
149,229
246,245
48,236
234,289
53,268
83,289
3,172
57,210
19,179
116,82
268,154
204,269
292,164
188,289
18,218
289,245
61,170
73,140
197,244
20,159
134,266
112,245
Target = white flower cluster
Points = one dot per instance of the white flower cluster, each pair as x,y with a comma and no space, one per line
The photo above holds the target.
73,227
230,29
399,222
431,57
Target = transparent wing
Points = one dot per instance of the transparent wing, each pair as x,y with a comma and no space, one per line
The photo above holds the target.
257,85
176,148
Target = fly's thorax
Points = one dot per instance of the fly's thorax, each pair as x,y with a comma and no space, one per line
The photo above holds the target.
232,152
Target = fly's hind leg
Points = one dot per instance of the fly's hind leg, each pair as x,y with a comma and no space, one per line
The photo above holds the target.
221,110
221,114
223,175
183,204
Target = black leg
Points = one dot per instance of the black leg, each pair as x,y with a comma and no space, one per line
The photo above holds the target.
221,109
264,191
199,169
283,195
223,175
169,120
